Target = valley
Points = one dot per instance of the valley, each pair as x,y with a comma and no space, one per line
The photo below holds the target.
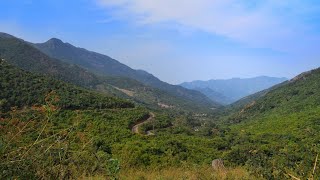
229,91
70,113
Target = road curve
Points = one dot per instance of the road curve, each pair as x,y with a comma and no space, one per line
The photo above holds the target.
135,128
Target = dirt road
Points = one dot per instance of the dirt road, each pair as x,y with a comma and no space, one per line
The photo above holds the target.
135,128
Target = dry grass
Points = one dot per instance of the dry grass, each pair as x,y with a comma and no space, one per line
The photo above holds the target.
194,173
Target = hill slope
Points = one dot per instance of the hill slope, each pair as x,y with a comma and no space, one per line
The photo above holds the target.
298,94
21,54
246,101
277,134
105,65
21,88
236,88
60,131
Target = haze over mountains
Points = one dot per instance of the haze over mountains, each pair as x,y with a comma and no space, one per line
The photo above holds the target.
113,77
230,90
219,91
133,83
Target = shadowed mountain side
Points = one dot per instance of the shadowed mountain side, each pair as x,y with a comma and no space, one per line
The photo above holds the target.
104,65
21,54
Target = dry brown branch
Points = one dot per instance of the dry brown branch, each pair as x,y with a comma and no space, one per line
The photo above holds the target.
86,143
315,166
8,162
42,140
20,131
293,177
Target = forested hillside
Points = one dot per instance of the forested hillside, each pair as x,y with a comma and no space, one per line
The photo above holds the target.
277,134
20,88
297,95
21,54
53,130
105,65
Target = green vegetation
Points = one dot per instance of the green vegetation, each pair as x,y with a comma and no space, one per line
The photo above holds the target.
20,88
51,144
23,55
57,141
50,129
277,134
60,134
19,53
105,65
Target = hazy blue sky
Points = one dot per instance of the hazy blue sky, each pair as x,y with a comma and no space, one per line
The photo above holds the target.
180,40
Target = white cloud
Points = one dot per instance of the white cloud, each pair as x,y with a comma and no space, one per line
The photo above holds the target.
270,23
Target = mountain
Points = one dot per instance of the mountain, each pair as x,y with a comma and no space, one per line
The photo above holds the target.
61,121
297,95
105,65
253,97
50,129
234,89
277,133
21,54
214,95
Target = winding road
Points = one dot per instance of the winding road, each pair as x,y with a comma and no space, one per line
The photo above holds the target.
135,128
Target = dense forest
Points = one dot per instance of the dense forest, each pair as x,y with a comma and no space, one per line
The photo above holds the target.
20,88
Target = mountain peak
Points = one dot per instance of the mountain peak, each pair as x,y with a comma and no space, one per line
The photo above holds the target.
55,41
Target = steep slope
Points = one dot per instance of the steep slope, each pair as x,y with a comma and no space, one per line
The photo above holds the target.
299,94
21,54
20,88
105,65
236,88
277,134
246,101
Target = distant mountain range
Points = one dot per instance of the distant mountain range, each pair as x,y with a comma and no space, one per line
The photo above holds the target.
230,90
99,72
93,70
104,65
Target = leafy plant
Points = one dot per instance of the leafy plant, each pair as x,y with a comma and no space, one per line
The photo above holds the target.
113,168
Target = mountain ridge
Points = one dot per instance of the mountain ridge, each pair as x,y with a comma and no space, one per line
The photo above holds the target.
105,65
21,54
236,88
